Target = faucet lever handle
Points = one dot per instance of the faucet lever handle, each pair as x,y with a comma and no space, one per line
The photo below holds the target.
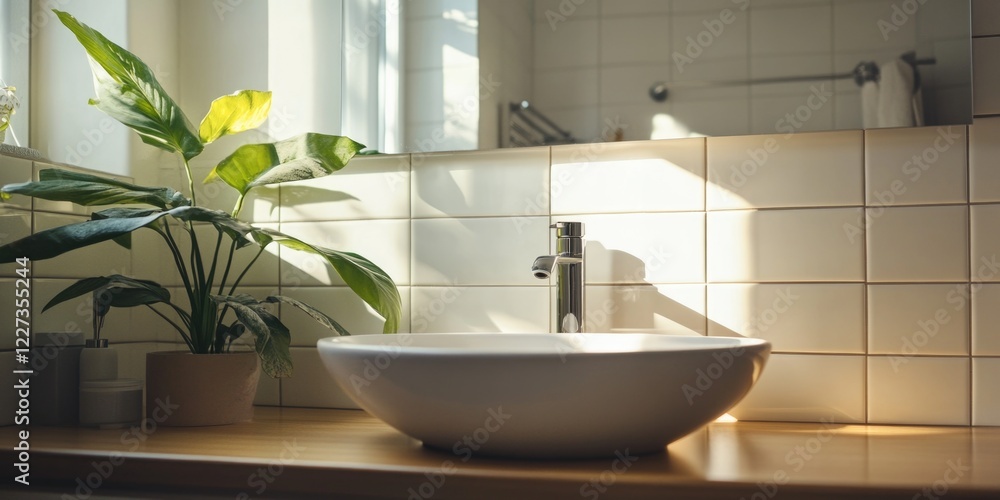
568,229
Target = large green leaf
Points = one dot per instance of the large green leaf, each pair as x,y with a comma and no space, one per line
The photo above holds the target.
321,317
271,338
235,113
125,291
307,156
57,241
90,190
128,91
235,228
367,280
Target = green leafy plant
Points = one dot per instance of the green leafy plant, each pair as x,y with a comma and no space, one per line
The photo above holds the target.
127,91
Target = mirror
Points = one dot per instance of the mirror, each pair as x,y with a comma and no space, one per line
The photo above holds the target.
14,70
557,71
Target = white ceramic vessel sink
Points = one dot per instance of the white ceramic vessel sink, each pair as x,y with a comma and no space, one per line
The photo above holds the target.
545,395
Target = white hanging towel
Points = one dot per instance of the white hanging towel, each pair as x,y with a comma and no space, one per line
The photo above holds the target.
898,104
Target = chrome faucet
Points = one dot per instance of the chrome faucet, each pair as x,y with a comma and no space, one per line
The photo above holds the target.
570,275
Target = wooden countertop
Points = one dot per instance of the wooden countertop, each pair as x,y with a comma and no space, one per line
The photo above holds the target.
291,452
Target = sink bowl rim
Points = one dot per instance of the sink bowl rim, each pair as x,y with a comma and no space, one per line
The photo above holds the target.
377,343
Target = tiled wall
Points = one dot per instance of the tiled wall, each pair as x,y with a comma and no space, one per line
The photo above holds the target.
868,259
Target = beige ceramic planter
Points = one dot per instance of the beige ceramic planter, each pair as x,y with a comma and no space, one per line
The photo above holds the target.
184,389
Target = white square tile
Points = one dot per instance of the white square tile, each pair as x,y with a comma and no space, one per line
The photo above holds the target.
857,27
568,44
102,259
986,72
918,391
790,30
805,318
386,243
132,357
985,242
985,319
14,225
790,112
552,91
15,170
807,388
797,170
984,149
310,384
918,244
985,398
76,315
625,84
480,309
915,166
784,245
369,187
341,304
647,176
985,17
549,9
486,251
669,309
268,391
713,6
643,248
728,30
634,7
918,319
490,183
635,40
723,116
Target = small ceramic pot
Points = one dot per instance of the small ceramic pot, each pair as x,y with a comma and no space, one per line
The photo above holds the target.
184,389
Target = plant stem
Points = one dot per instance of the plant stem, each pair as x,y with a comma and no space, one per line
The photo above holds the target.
190,179
245,269
187,339
229,264
215,259
239,206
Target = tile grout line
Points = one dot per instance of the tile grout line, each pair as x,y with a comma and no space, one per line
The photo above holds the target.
968,221
704,206
866,334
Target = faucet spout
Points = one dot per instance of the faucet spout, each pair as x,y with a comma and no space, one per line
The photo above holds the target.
569,264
